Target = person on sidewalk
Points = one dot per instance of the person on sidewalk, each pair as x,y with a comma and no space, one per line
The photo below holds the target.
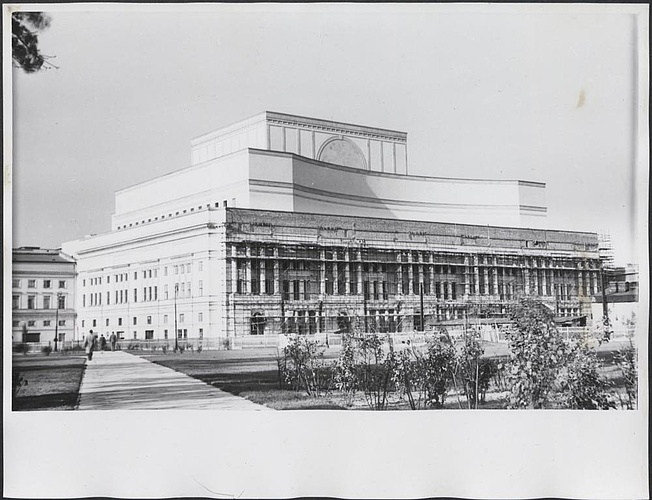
89,344
113,339
102,343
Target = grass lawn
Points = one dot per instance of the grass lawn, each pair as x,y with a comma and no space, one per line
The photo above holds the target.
52,381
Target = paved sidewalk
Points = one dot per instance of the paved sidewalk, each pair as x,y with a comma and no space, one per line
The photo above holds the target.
121,381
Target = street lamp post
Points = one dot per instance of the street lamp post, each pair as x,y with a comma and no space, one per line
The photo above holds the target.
176,339
56,323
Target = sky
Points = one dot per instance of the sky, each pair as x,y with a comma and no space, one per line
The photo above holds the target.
545,94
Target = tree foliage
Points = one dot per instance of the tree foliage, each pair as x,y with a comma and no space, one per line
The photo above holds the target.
538,354
25,27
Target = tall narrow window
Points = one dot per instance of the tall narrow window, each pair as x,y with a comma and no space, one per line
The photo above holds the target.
61,302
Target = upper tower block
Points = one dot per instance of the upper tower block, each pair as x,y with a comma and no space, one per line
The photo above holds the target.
366,148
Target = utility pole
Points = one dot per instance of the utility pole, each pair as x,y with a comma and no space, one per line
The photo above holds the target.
605,305
56,325
176,331
421,302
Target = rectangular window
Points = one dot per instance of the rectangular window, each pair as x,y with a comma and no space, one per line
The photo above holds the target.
149,290
135,320
62,283
108,279
286,290
201,265
135,295
31,283
83,323
165,292
149,320
165,318
295,289
107,321
144,293
94,323
201,288
15,283
62,322
150,273
108,298
119,321
46,302
32,337
165,271
181,317
46,322
201,333
176,269
47,283
15,301
31,322
200,317
31,301
149,334
144,274
155,293
165,334
135,275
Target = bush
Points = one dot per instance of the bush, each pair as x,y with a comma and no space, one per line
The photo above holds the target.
438,365
46,349
21,348
584,388
538,354
375,370
626,362
303,368
468,368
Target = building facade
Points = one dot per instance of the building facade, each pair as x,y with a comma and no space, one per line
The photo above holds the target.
285,224
231,272
43,296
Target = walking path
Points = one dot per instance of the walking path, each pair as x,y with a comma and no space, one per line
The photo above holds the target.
121,381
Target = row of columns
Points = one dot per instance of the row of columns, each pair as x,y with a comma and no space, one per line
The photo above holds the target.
531,276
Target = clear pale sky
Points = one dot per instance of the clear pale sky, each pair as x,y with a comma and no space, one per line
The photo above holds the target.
506,93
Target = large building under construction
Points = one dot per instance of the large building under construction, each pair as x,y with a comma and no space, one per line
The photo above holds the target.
285,224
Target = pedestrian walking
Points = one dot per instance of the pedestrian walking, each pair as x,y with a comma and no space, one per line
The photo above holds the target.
113,339
89,344
102,342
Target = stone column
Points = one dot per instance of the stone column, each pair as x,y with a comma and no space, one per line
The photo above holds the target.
431,274
247,281
544,281
263,267
336,278
410,274
322,272
526,278
277,284
476,274
467,276
486,280
347,273
495,273
359,272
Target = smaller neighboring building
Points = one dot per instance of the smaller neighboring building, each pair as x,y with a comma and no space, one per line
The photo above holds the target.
621,293
43,295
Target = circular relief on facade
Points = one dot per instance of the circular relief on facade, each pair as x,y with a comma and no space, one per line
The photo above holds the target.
342,152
